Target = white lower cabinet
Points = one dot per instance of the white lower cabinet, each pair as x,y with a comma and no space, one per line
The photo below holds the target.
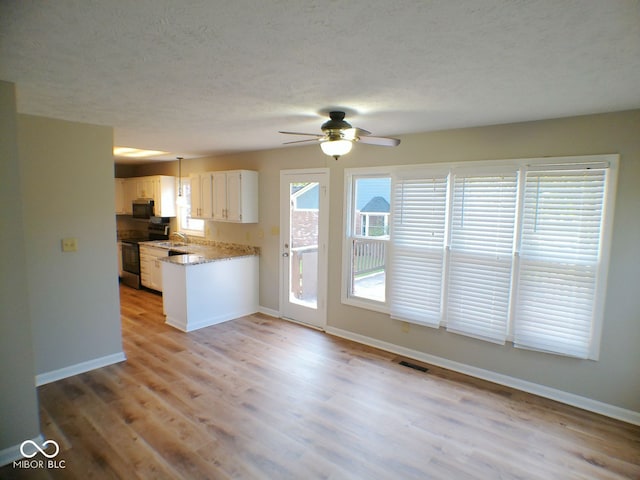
204,294
151,267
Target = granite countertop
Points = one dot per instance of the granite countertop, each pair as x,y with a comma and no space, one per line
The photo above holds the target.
202,252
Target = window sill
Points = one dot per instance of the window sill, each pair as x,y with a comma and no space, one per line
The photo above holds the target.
366,304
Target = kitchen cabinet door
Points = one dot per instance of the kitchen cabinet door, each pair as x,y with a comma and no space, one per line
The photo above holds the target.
219,196
151,267
120,199
125,194
235,196
156,274
201,195
164,196
195,196
145,187
130,192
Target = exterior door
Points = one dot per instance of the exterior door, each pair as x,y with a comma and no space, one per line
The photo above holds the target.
304,221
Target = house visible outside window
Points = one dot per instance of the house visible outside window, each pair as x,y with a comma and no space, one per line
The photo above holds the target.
368,237
511,250
186,224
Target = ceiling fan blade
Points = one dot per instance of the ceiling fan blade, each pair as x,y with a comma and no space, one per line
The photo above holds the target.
304,141
349,134
360,132
353,133
382,141
300,133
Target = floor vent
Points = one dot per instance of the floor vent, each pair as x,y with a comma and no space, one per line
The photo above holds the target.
414,366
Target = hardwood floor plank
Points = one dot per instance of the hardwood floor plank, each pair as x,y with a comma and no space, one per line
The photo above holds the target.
262,398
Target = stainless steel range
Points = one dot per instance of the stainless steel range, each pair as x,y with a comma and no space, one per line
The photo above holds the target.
158,229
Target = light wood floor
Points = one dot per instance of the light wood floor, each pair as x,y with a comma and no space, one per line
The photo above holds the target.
260,398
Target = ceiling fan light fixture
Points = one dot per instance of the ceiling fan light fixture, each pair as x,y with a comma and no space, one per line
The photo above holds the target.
338,136
336,148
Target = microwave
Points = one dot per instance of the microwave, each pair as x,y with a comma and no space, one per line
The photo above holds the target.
142,208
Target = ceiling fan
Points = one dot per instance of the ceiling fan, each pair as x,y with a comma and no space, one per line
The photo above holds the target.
339,136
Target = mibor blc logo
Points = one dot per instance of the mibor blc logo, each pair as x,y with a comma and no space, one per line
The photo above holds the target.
30,449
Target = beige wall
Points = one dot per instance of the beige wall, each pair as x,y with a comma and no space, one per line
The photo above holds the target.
264,234
68,191
18,400
614,379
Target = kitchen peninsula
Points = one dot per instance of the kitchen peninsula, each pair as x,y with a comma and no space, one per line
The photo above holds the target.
208,284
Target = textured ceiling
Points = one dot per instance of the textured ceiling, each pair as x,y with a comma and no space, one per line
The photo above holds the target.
207,77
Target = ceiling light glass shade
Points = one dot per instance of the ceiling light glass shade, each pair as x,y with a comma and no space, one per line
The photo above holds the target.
336,148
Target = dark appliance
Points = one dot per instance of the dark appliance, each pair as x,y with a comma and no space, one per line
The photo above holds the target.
158,229
131,262
142,208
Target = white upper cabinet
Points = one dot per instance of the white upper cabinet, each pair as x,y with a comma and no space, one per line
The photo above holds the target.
125,195
164,196
202,195
160,188
121,207
146,187
235,196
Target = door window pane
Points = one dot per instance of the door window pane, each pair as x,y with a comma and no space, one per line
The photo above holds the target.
303,241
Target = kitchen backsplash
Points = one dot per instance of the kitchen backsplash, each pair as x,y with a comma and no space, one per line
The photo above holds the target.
126,234
246,249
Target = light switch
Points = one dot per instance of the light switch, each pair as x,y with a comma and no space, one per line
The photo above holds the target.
69,244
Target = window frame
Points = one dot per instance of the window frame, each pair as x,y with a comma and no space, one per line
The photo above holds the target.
182,212
348,224
520,165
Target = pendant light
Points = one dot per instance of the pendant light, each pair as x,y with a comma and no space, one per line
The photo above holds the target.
181,200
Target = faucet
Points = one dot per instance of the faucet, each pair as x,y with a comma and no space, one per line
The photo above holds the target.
181,236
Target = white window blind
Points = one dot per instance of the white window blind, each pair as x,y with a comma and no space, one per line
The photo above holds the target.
418,236
505,250
559,260
481,254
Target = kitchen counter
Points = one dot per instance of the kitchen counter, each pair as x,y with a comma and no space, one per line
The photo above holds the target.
199,253
209,284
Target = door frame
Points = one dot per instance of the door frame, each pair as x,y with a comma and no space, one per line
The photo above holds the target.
320,320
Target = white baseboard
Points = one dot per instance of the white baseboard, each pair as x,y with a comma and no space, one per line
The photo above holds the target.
13,454
183,325
584,403
268,311
54,375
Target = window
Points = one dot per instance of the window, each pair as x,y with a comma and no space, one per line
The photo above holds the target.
186,224
482,219
419,225
513,250
560,257
368,237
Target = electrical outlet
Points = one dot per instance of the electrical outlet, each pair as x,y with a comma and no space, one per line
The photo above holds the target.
69,244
